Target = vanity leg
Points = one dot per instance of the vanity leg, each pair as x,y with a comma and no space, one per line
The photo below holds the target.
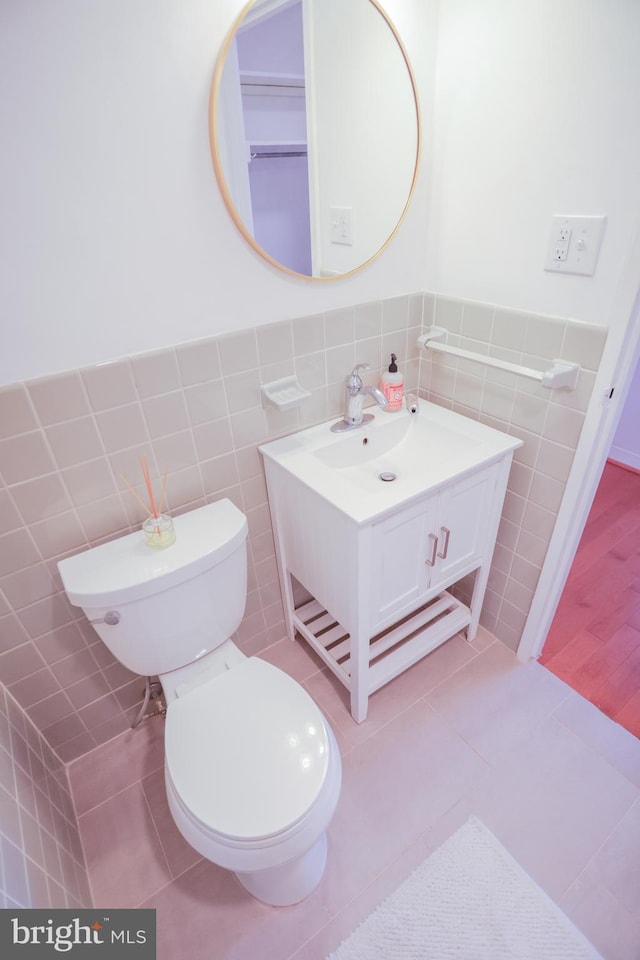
477,597
359,685
289,608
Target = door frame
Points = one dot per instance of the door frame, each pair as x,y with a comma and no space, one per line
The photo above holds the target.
621,354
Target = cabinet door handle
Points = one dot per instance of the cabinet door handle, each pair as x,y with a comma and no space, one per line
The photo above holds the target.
445,549
431,562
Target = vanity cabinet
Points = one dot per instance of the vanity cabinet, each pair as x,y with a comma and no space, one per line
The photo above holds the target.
429,545
368,570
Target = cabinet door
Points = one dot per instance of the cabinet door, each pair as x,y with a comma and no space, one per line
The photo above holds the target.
400,575
465,513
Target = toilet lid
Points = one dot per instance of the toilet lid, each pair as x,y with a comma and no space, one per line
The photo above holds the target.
247,751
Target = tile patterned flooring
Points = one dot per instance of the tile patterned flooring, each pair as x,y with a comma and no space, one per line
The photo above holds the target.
594,640
466,730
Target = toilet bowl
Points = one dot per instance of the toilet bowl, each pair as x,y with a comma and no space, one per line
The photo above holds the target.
277,748
252,768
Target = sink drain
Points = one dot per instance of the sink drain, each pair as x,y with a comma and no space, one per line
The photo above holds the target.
387,476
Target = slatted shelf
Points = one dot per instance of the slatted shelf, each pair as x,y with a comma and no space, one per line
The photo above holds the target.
392,650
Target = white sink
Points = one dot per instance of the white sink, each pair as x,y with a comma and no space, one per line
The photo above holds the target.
372,469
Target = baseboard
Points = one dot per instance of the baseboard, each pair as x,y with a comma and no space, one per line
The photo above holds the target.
625,466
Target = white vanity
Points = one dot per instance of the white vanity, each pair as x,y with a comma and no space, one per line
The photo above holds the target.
375,524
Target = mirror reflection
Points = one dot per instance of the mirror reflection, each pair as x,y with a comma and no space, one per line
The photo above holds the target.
315,132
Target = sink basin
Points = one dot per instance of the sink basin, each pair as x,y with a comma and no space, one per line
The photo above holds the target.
370,470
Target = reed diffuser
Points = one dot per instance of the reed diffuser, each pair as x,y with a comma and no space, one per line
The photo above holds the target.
158,528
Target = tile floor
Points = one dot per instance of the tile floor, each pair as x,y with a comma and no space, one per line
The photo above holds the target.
466,730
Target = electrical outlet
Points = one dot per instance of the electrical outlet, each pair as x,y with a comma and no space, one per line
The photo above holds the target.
574,244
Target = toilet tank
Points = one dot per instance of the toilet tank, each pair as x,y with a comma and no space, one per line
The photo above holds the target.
173,605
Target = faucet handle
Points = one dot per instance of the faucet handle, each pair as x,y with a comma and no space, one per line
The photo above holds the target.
354,380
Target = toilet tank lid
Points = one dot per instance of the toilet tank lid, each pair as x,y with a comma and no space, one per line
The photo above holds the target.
126,569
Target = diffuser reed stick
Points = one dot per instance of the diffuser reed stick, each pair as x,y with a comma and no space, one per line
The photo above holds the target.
131,490
147,479
153,507
158,528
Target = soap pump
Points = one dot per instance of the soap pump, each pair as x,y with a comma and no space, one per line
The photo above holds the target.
392,385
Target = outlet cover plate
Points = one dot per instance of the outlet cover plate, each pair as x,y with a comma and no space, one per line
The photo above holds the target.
574,244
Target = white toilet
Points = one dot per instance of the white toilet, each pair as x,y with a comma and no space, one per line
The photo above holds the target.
252,769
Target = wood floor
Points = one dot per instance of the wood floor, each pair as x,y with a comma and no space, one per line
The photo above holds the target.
594,640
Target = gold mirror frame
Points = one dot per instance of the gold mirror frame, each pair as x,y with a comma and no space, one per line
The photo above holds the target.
218,166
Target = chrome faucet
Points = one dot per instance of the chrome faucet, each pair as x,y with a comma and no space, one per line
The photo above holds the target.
355,392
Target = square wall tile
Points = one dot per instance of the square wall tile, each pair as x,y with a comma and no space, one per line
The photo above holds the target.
24,457
174,453
207,401
35,687
12,632
19,663
109,384
477,321
74,441
28,585
509,329
59,398
544,336
90,481
17,550
447,313
395,314
165,414
41,498
584,343
339,327
156,372
308,334
16,411
198,362
238,351
122,427
10,519
368,320
58,534
275,342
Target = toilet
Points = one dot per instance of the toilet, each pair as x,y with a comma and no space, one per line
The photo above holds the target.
252,768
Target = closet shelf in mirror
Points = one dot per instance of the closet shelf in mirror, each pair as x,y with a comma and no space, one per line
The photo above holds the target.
261,150
258,83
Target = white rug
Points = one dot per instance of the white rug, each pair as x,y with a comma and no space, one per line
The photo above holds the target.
469,900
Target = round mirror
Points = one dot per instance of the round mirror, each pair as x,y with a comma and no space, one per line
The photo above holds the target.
315,132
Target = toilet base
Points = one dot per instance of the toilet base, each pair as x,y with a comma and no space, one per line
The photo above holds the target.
290,882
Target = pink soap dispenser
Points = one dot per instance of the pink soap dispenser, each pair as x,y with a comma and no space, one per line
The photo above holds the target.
392,385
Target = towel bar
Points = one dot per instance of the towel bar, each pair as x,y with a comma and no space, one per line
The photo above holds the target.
561,375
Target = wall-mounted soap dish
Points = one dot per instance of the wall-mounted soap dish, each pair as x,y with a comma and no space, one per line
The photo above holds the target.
284,394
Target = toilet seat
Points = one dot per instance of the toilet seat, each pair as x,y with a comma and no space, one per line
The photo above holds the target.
247,754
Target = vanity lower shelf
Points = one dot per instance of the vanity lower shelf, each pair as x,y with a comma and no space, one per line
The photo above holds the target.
392,650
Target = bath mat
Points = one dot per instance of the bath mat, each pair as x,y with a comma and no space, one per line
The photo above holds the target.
469,900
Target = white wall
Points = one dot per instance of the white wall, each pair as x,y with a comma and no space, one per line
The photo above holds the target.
537,108
626,443
364,138
114,238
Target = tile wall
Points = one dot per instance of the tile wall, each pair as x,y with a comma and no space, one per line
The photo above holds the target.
549,423
69,442
41,859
